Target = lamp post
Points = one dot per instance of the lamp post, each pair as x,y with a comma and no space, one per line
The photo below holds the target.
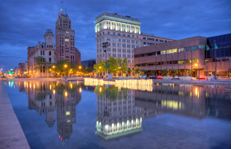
105,45
65,67
100,68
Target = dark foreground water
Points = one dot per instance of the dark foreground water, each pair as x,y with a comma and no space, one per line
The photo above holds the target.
55,115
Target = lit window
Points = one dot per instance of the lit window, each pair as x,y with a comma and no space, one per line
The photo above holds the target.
67,113
181,49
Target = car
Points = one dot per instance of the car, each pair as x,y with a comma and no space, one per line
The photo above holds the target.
143,77
159,77
202,78
152,77
175,78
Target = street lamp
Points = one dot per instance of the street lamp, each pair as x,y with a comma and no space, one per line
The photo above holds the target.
53,66
80,67
65,66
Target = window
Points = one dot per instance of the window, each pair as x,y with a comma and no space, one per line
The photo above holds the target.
49,52
181,50
180,62
170,51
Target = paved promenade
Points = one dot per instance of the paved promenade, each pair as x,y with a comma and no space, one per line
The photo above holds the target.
11,133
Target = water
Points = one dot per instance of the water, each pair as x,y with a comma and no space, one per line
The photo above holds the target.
73,115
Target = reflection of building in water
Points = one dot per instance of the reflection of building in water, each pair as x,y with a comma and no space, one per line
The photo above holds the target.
55,101
43,101
117,115
218,101
66,102
188,100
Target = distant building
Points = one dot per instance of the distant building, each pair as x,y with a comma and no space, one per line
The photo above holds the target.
21,70
196,56
65,40
41,56
117,36
88,64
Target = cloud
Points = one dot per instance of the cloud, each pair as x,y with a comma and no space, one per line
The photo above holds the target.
24,23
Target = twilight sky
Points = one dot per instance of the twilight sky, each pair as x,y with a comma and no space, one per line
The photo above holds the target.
23,22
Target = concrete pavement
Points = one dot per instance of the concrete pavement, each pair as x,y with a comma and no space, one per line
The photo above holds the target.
11,133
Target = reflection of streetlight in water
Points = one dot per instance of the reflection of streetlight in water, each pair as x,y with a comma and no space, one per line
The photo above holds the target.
196,92
66,94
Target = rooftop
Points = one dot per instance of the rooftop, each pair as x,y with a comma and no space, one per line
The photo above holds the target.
117,17
192,41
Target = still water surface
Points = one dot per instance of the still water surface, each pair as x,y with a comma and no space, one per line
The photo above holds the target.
57,115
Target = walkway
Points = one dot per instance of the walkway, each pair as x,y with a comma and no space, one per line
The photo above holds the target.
11,133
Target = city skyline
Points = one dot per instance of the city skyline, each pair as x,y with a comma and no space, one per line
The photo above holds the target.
160,19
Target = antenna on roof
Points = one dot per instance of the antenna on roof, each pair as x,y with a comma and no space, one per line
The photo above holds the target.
62,11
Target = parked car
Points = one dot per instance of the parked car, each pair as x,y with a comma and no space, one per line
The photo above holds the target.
143,77
152,77
176,78
202,78
159,77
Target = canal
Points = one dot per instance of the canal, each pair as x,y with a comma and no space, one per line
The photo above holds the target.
80,115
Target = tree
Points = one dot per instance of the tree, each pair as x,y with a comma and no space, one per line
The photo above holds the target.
122,65
100,67
63,68
112,65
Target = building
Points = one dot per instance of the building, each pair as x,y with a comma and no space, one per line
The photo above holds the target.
88,64
117,36
41,56
196,56
148,40
218,55
65,40
21,70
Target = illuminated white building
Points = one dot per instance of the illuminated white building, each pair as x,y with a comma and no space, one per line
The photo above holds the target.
117,36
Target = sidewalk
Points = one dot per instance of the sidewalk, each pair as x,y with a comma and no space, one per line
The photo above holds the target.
11,133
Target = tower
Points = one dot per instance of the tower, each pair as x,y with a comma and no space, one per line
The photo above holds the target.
65,40
48,37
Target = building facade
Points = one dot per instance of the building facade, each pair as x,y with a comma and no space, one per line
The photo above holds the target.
218,55
41,56
65,40
21,70
148,40
117,36
191,56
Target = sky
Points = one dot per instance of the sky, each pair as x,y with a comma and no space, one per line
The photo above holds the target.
23,22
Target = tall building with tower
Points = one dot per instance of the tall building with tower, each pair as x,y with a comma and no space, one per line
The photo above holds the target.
65,40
